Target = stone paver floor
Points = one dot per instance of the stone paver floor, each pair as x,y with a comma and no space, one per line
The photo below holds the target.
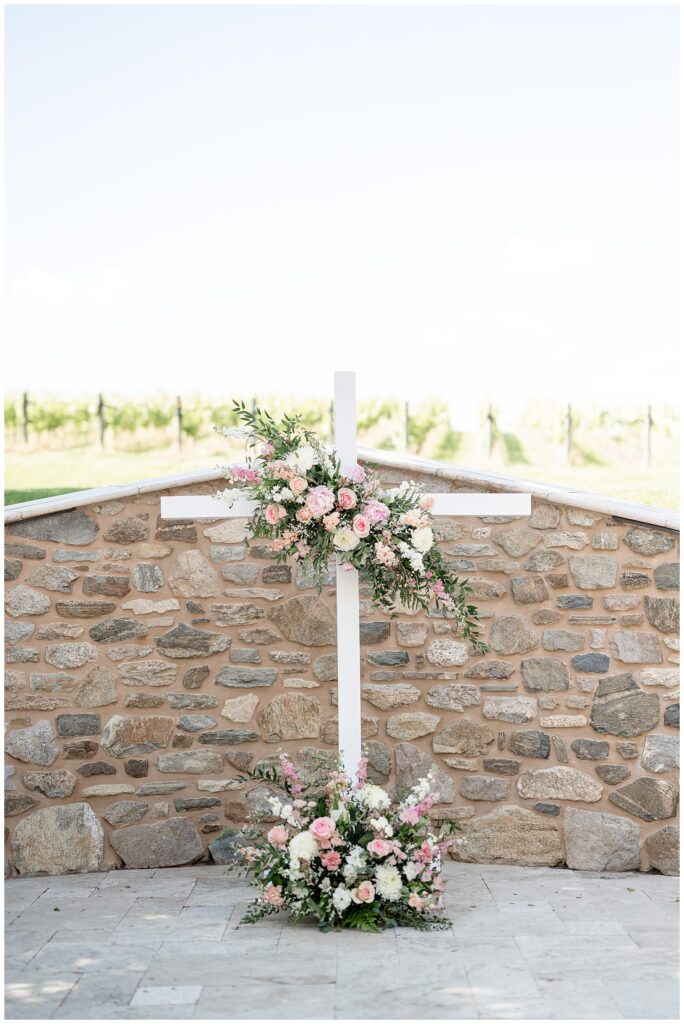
526,943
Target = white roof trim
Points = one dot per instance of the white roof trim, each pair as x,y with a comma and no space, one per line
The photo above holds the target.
660,517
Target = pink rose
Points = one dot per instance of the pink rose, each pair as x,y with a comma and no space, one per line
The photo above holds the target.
322,828
274,513
356,474
320,500
346,498
360,525
379,847
331,860
304,515
277,836
298,485
364,893
376,511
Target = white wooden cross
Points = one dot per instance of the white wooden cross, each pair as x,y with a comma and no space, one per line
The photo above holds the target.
348,653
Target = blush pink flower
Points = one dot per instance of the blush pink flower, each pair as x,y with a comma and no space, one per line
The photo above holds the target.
415,902
379,847
331,522
331,860
298,485
376,511
322,828
274,513
304,515
385,555
273,894
364,893
277,836
427,501
410,815
356,474
346,498
360,525
320,500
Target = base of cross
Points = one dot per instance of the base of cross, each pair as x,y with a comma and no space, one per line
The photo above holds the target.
348,650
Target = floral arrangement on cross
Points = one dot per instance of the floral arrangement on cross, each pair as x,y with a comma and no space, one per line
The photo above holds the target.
313,510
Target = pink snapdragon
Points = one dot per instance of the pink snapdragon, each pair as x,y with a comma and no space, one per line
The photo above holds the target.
277,836
346,498
362,773
439,591
377,511
322,829
425,853
320,500
331,860
360,525
410,815
239,474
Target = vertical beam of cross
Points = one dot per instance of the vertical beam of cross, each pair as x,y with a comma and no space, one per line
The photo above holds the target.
348,654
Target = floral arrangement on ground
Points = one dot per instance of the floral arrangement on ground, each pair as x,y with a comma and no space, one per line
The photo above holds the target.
344,854
313,510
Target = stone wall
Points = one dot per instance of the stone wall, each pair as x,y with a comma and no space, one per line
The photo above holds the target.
149,662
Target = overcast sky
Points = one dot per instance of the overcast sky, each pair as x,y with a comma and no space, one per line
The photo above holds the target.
468,202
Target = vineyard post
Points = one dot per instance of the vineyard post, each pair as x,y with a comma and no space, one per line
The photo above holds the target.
25,413
179,416
649,427
101,418
407,428
331,436
568,433
490,430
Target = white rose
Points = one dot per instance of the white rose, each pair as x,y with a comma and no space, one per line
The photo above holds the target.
345,540
341,899
302,846
388,882
422,539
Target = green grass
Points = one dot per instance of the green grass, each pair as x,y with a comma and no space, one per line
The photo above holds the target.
42,472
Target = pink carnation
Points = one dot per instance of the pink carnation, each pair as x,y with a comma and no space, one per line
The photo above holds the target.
346,498
331,860
320,500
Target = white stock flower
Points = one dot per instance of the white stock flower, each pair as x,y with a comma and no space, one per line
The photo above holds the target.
282,494
302,846
373,797
412,870
422,539
345,540
341,899
302,459
325,884
388,882
413,557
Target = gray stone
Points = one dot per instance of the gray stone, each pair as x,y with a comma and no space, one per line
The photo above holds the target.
193,576
194,677
605,541
510,709
288,657
195,803
413,765
387,658
125,812
512,634
379,761
510,835
575,601
125,531
305,620
411,725
229,737
465,737
84,609
240,709
662,613
224,849
191,701
516,542
97,690
671,716
114,630
22,600
24,551
227,552
77,725
58,840
259,635
483,787
196,723
290,716
562,640
96,768
148,673
660,753
501,765
552,809
544,674
529,743
629,751
64,555
51,784
593,572
563,539
325,668
235,614
490,670
192,762
147,577
620,707
70,655
452,696
15,679
144,700
612,774
442,652
163,844
412,634
238,572
662,850
590,662
59,631
666,577
15,632
472,550
528,589
658,676
34,744
543,561
648,799
558,782
246,677
545,516
176,529
126,735
374,632
185,641
276,574
600,842
160,788
590,750
15,655
482,589
635,580
390,695
648,542
50,577
74,527
18,803
636,647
